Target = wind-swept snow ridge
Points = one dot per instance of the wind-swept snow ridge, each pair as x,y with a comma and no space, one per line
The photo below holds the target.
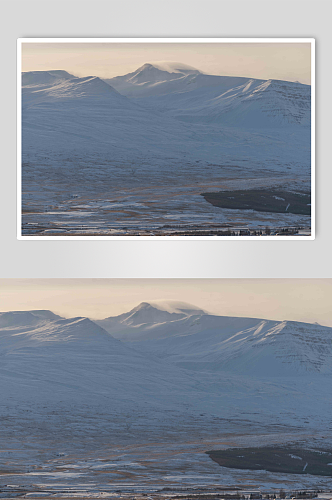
151,74
175,67
33,78
67,89
45,314
254,104
150,315
242,346
14,319
169,306
160,79
191,96
175,306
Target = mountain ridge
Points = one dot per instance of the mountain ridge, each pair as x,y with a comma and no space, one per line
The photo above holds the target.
158,80
240,345
225,367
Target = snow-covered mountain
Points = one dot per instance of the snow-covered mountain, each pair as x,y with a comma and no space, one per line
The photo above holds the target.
192,96
94,155
154,73
25,318
242,346
157,79
164,346
68,383
38,78
145,320
47,360
168,78
252,104
82,412
64,113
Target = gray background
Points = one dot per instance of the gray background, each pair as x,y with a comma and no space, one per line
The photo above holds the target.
160,18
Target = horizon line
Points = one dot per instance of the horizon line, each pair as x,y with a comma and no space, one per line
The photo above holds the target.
205,313
201,72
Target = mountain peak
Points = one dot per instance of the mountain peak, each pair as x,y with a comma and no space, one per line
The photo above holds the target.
169,67
156,73
175,67
145,66
156,312
170,306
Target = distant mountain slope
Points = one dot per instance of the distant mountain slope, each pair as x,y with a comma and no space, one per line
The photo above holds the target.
151,74
75,360
224,120
38,78
156,318
253,104
168,78
184,361
242,346
233,101
66,89
87,114
24,318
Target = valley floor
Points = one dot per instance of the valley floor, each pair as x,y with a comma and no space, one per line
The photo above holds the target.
94,196
160,455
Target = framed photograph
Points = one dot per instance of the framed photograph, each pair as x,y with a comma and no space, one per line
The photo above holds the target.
166,138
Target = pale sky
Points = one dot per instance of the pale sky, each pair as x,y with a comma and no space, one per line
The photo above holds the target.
280,61
307,300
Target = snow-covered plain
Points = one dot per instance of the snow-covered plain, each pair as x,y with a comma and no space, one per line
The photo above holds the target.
132,155
132,402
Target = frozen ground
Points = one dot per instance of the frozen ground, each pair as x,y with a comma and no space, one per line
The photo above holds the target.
95,161
85,414
159,466
122,199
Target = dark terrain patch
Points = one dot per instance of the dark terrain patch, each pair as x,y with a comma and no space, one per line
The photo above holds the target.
276,459
262,200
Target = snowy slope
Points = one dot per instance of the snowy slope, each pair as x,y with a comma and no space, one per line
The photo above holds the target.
224,120
39,78
82,412
150,319
168,78
251,367
156,323
25,318
188,363
253,104
87,114
74,359
192,96
242,346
